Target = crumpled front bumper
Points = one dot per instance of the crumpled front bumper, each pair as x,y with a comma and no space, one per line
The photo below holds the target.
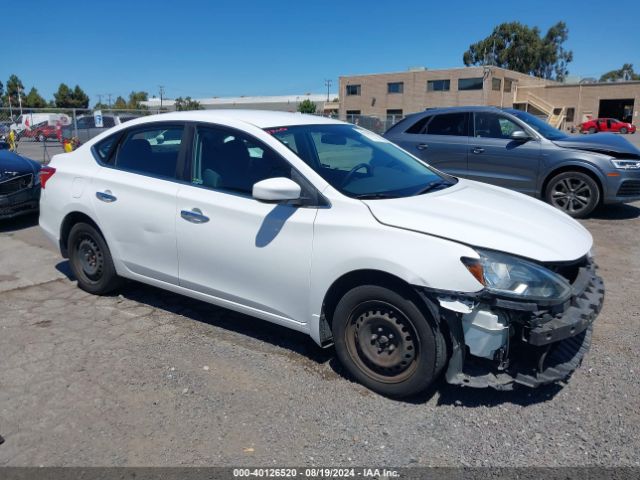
20,203
545,344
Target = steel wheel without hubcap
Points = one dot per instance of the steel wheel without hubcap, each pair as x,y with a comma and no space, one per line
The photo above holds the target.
382,341
90,258
575,193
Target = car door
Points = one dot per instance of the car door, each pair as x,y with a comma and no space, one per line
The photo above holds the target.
134,195
494,157
440,140
249,255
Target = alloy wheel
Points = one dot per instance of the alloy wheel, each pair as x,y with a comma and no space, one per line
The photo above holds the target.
572,195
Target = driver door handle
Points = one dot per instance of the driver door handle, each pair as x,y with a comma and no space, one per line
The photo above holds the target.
477,150
422,146
194,215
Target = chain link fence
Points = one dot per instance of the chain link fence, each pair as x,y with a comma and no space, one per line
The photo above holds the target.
43,132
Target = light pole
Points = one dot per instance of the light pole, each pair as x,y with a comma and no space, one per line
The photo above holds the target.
327,83
20,100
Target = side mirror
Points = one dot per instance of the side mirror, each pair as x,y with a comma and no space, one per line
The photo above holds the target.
520,136
275,190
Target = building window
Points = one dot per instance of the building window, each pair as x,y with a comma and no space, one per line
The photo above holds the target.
353,112
496,84
395,87
353,90
438,85
571,113
395,113
475,83
507,84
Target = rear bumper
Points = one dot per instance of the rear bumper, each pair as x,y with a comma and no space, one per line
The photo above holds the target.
19,203
545,344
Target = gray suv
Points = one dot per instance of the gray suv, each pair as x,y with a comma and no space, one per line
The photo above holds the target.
514,149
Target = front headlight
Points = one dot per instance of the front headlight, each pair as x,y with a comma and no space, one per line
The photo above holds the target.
510,276
626,164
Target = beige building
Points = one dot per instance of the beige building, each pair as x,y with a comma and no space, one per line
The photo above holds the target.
389,96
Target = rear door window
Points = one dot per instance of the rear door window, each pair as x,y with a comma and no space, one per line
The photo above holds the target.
152,150
448,124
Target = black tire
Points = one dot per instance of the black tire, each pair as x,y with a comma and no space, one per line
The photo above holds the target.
593,129
575,193
387,342
90,260
624,131
40,137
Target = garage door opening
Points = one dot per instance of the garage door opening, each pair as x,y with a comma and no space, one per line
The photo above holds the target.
621,109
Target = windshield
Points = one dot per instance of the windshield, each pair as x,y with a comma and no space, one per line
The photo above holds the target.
360,163
540,126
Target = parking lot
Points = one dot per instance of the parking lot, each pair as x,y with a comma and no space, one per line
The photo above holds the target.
146,377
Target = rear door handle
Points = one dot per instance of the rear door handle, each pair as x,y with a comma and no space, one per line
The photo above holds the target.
422,146
194,215
106,196
477,150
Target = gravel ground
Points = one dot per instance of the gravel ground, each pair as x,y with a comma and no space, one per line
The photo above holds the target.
146,377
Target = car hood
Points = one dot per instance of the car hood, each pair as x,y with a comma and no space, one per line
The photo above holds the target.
607,143
490,217
12,164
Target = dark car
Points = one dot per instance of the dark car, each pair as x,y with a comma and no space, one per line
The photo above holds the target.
516,150
19,185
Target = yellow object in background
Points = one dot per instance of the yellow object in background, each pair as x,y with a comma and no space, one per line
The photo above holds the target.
12,141
68,147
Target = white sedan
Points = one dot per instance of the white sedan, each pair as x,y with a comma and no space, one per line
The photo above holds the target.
329,229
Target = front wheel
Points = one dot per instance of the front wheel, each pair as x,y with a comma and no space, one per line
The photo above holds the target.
387,342
624,131
575,193
90,260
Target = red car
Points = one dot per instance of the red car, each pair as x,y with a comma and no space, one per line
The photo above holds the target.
41,132
607,125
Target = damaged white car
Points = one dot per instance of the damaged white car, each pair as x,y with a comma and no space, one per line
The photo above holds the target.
328,229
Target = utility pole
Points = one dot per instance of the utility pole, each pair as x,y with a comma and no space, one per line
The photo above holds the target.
109,97
20,100
327,83
99,95
161,87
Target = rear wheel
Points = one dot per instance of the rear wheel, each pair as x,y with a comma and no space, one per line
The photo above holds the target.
387,342
593,129
90,260
575,193
40,137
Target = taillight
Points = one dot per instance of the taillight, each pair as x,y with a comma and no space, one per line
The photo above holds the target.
45,174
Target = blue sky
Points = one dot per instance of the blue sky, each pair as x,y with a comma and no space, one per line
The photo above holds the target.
227,48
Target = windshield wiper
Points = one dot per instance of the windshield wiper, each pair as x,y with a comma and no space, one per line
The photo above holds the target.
373,196
437,185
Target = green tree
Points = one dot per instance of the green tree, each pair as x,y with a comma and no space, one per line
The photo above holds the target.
136,99
14,84
521,48
67,98
625,73
120,103
187,103
101,106
34,99
307,106
1,89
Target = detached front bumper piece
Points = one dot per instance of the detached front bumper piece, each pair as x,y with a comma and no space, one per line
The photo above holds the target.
544,344
19,203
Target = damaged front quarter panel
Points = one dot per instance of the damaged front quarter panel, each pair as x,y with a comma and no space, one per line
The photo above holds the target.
496,342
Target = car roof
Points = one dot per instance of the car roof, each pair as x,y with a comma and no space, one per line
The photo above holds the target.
471,108
257,118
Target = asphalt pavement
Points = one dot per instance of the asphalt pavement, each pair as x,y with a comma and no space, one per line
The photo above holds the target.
149,378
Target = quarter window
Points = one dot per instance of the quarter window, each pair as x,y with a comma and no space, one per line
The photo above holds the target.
231,161
353,90
448,124
475,83
151,151
395,87
438,85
